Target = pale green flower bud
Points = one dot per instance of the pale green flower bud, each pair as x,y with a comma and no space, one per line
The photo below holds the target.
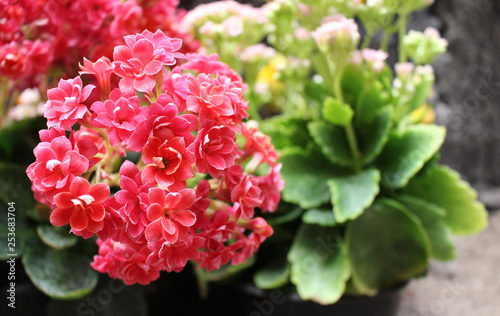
423,48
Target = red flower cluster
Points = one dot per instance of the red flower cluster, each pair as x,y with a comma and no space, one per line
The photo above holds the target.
192,194
36,35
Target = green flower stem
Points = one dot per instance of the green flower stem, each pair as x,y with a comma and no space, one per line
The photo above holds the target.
202,281
349,130
367,40
402,32
384,44
3,97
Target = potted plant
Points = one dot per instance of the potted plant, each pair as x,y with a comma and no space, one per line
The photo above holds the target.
366,203
137,133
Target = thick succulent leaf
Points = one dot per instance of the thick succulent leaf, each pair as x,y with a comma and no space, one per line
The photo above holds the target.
306,174
286,132
110,298
332,142
386,246
13,245
431,216
353,194
374,134
442,186
18,140
366,96
336,112
61,274
274,275
56,237
16,187
319,267
319,217
406,153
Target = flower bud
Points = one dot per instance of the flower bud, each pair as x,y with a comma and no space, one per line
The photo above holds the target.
424,47
339,37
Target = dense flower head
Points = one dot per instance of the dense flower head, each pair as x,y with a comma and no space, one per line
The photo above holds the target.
35,35
171,146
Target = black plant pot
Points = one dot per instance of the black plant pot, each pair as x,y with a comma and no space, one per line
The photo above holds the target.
256,302
179,292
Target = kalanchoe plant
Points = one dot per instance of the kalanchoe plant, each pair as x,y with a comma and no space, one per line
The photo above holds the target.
366,204
42,41
162,169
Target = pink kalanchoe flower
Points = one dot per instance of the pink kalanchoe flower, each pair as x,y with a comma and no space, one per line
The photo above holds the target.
215,149
137,66
89,142
259,145
220,230
132,196
246,196
13,61
125,260
163,122
214,260
64,107
114,224
56,165
175,85
127,16
174,257
208,97
39,57
101,70
169,214
172,163
209,65
165,48
121,116
81,207
271,186
142,59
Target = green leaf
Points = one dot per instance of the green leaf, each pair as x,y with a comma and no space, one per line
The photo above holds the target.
16,187
22,233
431,216
273,275
286,132
56,237
373,135
319,217
353,194
305,174
18,140
366,94
110,298
442,186
336,112
406,153
386,246
332,142
61,274
319,267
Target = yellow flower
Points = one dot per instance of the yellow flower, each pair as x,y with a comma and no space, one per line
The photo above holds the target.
268,76
424,114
